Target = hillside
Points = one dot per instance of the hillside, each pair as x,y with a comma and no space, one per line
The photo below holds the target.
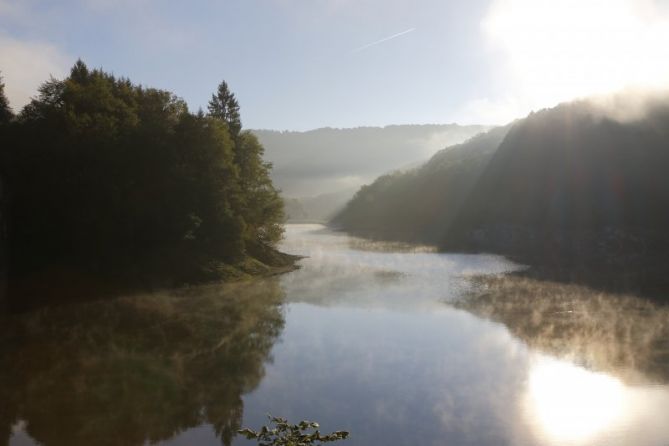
574,189
329,159
420,204
322,168
571,177
319,208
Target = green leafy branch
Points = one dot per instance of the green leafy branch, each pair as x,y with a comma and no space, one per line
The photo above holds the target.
281,433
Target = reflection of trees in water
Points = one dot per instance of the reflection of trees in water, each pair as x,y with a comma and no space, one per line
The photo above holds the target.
623,334
137,369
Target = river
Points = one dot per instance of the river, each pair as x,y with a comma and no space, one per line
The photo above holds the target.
397,344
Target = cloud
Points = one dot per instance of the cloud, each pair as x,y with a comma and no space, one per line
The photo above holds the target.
553,51
25,65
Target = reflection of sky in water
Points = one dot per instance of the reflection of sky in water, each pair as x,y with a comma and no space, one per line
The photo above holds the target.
338,274
379,354
369,346
444,377
391,377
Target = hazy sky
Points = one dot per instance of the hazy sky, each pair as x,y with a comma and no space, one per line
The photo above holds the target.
302,64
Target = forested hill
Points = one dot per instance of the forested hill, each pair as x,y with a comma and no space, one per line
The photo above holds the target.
326,160
571,186
329,160
419,204
109,182
573,181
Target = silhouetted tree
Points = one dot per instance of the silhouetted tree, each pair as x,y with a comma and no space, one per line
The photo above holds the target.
5,111
109,176
223,105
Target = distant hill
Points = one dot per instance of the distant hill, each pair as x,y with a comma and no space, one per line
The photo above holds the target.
329,160
320,208
575,186
319,170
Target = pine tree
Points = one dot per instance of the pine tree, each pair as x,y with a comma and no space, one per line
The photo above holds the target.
260,204
79,72
223,105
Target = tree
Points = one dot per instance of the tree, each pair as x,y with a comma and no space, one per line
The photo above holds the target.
260,204
263,206
223,105
6,114
111,177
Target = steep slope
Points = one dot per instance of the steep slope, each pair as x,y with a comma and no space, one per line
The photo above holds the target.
579,191
572,183
420,204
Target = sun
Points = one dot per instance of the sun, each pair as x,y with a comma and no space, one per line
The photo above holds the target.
553,51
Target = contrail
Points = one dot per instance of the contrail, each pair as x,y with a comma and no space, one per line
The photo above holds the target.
385,39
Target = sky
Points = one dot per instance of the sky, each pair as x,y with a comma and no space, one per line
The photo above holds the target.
304,64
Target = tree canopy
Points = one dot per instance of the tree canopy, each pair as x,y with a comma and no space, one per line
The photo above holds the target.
224,106
108,176
576,190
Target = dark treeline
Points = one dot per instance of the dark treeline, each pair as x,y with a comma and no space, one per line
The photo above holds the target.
570,171
111,182
569,189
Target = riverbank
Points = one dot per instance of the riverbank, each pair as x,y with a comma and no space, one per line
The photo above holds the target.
609,260
63,284
362,337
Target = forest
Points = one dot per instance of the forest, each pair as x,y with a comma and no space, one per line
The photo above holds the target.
296,223
416,205
110,184
575,189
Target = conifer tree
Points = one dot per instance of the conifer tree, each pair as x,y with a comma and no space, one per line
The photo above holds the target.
260,204
223,105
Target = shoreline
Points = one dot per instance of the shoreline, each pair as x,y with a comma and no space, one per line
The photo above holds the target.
66,285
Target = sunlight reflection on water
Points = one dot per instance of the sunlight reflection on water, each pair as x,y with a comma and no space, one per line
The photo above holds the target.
374,341
571,404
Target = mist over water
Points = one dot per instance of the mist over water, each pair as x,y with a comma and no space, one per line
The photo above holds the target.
395,343
352,272
372,344
474,197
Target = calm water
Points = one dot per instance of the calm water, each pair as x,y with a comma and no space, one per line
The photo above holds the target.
399,346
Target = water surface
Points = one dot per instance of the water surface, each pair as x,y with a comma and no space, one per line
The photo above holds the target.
398,345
